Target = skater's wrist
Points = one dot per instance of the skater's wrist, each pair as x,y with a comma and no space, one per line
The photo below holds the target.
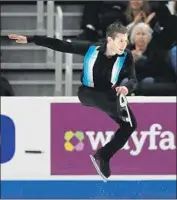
30,39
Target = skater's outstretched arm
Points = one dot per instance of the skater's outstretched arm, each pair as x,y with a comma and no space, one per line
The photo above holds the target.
52,43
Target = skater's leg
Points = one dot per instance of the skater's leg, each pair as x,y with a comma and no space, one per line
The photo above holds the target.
108,105
120,138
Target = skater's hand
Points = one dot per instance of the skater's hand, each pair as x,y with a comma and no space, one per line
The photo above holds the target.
19,38
122,90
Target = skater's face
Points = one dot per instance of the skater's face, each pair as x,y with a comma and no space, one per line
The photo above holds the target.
119,43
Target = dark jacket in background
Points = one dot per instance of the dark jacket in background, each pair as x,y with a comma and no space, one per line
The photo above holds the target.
5,87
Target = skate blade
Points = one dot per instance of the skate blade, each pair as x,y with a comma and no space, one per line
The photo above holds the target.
97,168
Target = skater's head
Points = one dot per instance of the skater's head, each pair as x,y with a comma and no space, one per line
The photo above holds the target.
117,39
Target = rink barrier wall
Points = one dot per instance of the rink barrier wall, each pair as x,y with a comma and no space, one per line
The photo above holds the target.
46,143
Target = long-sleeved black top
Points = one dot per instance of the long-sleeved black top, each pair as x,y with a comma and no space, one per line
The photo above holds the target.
99,71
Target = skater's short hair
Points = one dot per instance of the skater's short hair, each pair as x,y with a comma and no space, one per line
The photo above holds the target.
114,28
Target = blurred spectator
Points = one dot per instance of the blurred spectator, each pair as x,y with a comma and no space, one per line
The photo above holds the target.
5,87
173,57
97,15
139,11
155,63
165,29
160,68
140,37
172,6
163,40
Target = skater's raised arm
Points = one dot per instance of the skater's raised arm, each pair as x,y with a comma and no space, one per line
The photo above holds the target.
52,43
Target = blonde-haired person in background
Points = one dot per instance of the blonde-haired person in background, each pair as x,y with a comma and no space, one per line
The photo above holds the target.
138,11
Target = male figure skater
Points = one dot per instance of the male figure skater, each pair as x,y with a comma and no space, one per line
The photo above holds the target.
103,67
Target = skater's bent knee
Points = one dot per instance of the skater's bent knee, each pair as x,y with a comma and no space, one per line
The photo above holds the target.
132,127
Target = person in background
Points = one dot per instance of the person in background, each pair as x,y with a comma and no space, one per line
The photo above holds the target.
154,52
139,11
172,6
158,62
139,39
98,15
173,57
5,87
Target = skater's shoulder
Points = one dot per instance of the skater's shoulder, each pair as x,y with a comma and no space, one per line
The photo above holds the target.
101,45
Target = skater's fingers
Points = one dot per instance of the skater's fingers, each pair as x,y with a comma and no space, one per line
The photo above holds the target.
19,41
13,36
125,92
118,90
122,90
